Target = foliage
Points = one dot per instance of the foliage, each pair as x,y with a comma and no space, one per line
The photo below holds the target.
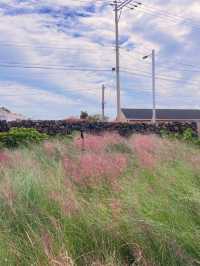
97,118
144,209
92,118
83,115
20,136
188,136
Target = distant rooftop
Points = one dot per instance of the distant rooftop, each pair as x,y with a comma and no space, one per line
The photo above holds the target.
161,114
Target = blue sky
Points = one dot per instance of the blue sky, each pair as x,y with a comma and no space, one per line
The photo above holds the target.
63,34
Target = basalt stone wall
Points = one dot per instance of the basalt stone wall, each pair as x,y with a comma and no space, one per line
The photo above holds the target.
66,127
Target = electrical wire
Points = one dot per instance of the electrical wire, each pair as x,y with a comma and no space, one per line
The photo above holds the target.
163,16
75,68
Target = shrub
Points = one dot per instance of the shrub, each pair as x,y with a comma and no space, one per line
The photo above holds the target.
83,115
188,136
20,136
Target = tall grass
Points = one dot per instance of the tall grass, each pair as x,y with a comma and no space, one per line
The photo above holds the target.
119,202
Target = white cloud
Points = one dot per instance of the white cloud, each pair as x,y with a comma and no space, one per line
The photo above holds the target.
30,31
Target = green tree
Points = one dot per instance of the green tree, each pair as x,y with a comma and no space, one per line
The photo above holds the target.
84,115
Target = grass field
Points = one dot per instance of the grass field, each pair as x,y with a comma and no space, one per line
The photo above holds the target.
120,201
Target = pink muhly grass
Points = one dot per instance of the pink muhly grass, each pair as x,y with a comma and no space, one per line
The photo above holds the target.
91,143
116,207
143,143
61,259
97,143
47,243
145,146
50,148
147,160
5,159
194,160
112,138
92,167
7,193
66,201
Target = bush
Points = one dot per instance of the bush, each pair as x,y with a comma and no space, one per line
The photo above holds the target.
21,136
187,136
83,115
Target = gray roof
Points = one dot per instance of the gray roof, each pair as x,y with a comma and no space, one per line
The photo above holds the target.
165,114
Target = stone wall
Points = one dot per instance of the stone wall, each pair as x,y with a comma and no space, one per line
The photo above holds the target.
66,127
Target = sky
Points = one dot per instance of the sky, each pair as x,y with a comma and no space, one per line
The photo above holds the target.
55,55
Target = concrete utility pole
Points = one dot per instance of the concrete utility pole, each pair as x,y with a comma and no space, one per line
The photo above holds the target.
118,7
153,84
103,103
117,61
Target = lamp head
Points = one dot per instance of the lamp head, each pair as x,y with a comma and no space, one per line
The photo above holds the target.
145,57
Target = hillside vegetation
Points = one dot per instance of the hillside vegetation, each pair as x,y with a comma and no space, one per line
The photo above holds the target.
111,201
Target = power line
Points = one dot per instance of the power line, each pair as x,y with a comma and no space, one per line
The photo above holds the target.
166,13
16,44
75,68
70,68
193,68
159,77
124,49
170,18
46,93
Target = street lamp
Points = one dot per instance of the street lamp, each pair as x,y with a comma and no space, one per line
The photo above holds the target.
152,55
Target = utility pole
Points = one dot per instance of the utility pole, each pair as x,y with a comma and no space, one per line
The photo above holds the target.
118,8
117,61
154,86
103,103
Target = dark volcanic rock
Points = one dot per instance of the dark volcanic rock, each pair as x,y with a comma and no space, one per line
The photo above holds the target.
63,127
